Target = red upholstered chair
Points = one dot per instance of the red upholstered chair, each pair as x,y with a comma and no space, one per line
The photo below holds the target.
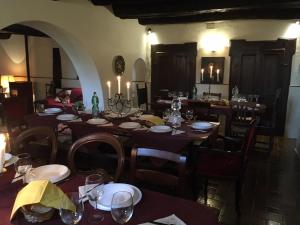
228,163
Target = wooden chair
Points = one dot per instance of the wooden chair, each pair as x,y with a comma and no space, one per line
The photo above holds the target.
228,163
142,96
217,95
40,142
156,171
87,144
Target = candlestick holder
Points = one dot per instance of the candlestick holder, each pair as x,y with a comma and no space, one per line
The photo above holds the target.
119,105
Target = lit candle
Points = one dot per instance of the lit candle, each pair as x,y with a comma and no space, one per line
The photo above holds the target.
211,70
119,84
2,151
109,90
218,78
202,71
128,90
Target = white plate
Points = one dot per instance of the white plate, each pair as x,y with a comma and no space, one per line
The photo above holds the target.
7,156
11,161
52,172
52,110
160,129
97,121
137,194
202,125
66,117
130,125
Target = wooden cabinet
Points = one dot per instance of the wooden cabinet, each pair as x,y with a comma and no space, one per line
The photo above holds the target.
23,90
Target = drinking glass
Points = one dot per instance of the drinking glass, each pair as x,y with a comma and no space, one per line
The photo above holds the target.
69,217
121,207
189,114
94,191
23,164
166,114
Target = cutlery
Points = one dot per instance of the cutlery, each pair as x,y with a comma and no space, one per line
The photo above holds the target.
83,197
158,223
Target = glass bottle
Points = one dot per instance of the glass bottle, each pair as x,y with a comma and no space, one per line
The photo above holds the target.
95,103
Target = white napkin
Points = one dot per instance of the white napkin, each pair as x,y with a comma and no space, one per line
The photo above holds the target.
105,125
176,132
172,219
17,177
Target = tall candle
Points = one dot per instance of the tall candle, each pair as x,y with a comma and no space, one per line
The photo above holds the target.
119,84
2,151
109,90
211,70
128,90
202,71
218,78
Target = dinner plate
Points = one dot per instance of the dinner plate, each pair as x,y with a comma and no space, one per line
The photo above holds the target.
52,172
12,159
52,110
66,117
97,121
160,129
130,125
7,156
113,188
201,125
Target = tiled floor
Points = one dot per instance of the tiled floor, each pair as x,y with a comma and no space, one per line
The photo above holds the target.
271,191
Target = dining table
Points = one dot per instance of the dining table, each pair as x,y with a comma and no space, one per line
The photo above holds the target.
152,206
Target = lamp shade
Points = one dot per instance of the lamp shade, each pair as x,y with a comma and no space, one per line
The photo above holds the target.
5,79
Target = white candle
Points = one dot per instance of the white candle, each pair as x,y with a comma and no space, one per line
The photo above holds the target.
109,90
202,71
119,84
128,90
218,78
211,70
2,151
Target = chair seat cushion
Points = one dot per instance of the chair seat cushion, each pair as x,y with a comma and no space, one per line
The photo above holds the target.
216,165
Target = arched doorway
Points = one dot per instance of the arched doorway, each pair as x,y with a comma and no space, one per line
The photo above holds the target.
84,65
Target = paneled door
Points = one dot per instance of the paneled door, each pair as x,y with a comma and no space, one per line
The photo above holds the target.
261,67
173,67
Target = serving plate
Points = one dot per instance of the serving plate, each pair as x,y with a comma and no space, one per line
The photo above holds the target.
52,110
202,125
160,129
66,117
130,125
97,121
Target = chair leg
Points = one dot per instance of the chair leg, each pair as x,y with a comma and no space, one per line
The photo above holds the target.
205,190
238,189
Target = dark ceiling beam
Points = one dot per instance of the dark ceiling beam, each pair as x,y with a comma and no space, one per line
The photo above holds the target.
24,30
101,2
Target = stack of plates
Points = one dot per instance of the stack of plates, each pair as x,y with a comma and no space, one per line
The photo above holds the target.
66,117
130,125
97,121
52,110
160,129
110,189
52,172
202,125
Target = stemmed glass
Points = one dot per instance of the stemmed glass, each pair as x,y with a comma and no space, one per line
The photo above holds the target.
189,114
23,164
94,191
121,207
167,114
69,217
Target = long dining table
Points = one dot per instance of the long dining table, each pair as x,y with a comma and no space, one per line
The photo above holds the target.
152,206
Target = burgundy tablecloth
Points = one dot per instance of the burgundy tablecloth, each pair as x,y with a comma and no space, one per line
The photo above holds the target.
153,205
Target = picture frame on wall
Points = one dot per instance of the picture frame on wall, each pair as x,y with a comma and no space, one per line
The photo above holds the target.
212,70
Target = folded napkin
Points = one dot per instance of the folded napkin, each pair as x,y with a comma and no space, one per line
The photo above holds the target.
172,219
105,125
42,192
153,119
176,132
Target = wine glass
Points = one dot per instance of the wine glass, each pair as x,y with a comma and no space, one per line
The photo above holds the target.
122,207
23,164
166,114
189,114
94,191
69,217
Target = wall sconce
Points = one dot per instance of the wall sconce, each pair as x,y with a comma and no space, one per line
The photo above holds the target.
213,41
5,79
151,37
293,31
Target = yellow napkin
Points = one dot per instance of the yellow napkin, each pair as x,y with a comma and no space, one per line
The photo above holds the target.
44,193
153,119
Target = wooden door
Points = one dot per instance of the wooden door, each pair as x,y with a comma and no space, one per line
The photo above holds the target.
261,67
173,67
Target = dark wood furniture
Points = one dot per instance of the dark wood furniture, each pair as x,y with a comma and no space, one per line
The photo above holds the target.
97,138
227,163
156,170
23,90
261,67
217,95
142,96
40,142
201,110
173,67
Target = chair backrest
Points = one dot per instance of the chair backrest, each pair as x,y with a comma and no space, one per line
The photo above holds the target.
14,108
217,95
249,139
242,112
201,109
142,95
36,141
95,138
154,172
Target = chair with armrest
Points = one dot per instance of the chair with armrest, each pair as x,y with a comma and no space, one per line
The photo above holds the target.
142,96
101,148
159,170
227,163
